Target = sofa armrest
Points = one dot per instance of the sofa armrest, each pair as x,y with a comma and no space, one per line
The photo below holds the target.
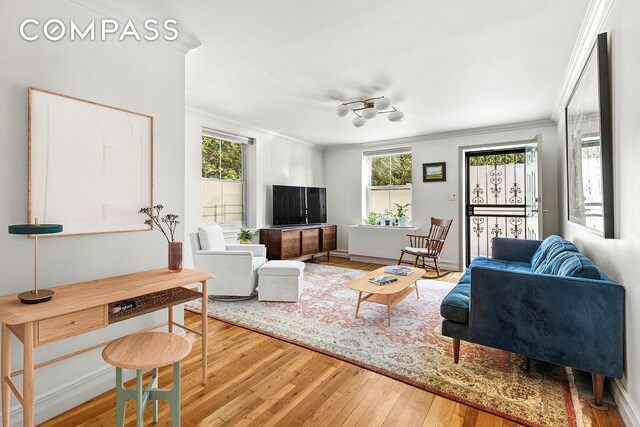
564,320
520,250
257,250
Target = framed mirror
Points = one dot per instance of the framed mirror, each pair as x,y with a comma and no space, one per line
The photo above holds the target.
589,145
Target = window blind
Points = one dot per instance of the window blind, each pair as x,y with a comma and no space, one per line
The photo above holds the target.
387,151
218,134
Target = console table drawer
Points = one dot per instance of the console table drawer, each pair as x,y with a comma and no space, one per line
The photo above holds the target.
71,324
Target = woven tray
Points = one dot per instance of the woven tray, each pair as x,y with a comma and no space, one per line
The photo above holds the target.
154,302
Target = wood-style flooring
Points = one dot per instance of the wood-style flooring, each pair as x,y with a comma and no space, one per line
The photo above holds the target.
258,380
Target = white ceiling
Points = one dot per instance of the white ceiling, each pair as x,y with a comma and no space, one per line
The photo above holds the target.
284,65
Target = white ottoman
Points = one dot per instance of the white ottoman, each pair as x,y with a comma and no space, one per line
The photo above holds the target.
280,281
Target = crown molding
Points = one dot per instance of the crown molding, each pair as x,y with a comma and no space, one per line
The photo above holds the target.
250,128
111,9
445,135
594,21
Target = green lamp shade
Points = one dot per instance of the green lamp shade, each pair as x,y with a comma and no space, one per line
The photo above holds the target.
35,229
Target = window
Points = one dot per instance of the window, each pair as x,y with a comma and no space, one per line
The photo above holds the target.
389,180
223,185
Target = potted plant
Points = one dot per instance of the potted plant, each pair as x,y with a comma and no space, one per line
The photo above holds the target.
388,215
245,236
401,214
372,218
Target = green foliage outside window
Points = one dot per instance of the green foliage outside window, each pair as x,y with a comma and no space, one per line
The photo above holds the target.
221,159
394,169
496,159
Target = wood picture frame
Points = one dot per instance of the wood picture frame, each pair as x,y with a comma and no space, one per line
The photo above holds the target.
434,172
90,165
589,144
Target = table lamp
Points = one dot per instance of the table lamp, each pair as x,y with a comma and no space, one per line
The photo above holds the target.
36,295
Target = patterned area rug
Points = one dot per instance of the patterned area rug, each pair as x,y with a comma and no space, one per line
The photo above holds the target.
412,350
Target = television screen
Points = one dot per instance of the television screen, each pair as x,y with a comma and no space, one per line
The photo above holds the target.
316,205
299,205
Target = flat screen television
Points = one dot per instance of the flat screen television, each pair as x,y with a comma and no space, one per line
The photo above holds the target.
299,205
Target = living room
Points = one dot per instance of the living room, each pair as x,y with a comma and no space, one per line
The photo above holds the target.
328,133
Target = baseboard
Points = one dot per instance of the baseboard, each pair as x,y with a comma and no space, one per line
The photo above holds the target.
628,411
445,265
340,253
68,395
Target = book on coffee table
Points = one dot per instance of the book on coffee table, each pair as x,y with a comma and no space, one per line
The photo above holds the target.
382,280
396,269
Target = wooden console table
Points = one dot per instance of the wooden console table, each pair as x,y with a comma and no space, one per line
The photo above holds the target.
84,307
295,242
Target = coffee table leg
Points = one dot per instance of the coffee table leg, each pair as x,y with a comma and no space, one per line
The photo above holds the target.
417,293
358,304
389,309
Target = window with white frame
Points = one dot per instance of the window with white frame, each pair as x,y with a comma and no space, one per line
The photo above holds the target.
389,180
223,184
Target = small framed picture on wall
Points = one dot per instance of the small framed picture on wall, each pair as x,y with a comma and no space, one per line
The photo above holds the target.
434,172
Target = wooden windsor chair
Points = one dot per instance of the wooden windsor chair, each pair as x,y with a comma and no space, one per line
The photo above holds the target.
428,247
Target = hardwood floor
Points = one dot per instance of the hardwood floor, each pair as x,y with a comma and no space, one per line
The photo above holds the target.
258,380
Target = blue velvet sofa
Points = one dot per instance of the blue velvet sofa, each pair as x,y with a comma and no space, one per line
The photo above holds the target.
543,300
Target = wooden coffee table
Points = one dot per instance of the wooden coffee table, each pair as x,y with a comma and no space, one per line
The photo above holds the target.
388,295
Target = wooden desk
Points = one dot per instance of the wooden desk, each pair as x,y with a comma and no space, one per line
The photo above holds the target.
83,307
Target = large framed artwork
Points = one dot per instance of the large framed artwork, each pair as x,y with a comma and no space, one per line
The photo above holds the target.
589,145
90,165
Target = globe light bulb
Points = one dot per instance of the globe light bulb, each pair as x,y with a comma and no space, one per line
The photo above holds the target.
369,113
396,116
382,103
359,122
342,110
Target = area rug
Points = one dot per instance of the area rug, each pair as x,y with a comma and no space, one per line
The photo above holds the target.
412,350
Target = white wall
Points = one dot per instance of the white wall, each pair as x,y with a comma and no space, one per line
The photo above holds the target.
272,159
344,176
619,257
144,77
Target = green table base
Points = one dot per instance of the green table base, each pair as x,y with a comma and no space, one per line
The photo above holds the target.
143,396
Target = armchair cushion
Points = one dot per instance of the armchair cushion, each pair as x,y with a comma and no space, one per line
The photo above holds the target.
258,261
257,250
212,238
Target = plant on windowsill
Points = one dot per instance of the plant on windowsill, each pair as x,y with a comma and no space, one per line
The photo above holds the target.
244,236
171,222
372,218
401,214
388,216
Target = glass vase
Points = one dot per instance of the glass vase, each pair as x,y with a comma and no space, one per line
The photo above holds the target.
175,257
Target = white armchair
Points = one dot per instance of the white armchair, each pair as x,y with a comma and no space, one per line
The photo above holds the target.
235,267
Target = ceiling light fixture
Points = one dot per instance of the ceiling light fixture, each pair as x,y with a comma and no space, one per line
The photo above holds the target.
369,108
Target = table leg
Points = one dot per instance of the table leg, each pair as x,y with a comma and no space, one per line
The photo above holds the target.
6,373
389,308
417,293
28,392
204,331
170,318
358,303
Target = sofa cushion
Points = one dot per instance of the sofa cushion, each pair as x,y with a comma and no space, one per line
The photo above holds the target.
551,247
211,238
493,263
578,265
455,306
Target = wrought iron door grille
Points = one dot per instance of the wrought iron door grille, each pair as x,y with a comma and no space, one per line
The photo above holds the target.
496,205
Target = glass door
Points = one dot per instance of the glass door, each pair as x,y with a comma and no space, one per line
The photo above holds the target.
495,198
533,184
